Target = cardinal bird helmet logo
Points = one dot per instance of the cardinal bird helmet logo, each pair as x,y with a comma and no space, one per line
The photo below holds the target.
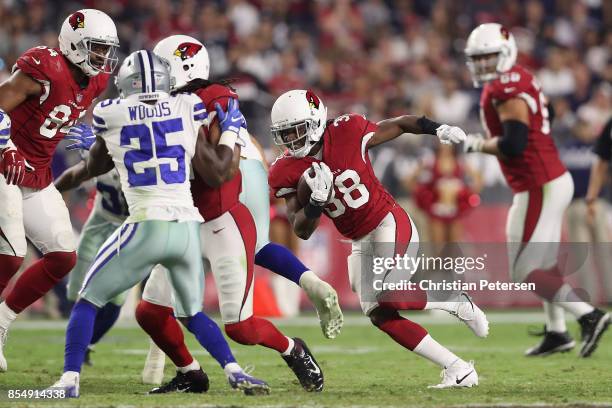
313,100
187,50
77,20
505,33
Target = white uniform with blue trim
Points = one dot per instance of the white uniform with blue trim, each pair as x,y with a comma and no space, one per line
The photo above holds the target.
152,147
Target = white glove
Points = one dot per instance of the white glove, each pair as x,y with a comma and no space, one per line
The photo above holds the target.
473,143
450,134
320,183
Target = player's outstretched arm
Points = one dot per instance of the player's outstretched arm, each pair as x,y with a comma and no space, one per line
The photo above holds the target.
72,177
303,225
514,117
99,161
389,129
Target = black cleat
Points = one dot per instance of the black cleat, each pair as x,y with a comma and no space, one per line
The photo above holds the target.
305,367
553,342
87,360
592,326
195,381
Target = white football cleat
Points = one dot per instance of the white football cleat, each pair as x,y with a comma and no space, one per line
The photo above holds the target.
457,375
325,300
153,371
69,383
3,364
470,314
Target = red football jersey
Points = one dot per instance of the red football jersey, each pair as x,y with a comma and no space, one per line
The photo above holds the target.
360,202
40,122
213,202
540,161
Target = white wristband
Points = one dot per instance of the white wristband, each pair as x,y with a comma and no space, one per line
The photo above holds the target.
228,139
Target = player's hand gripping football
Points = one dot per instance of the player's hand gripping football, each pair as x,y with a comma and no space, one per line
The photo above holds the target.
321,183
82,135
450,134
14,166
473,143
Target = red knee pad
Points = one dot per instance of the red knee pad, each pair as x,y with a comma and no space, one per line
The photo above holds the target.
39,278
148,314
244,332
9,265
59,264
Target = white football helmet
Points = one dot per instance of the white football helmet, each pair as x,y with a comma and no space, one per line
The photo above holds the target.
298,121
490,50
187,57
88,39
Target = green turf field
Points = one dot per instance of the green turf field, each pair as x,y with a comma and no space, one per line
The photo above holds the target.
362,368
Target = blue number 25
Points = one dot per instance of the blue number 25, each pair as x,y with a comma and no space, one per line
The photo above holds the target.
148,176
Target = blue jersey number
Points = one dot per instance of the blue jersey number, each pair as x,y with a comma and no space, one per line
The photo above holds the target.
148,176
112,200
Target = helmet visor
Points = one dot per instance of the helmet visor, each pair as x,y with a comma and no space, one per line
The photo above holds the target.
102,55
292,136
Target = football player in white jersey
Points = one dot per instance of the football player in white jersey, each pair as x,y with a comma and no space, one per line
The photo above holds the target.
150,137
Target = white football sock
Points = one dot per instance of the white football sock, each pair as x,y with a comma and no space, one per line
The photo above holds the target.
193,366
291,345
6,315
555,317
309,280
567,298
232,368
435,352
70,376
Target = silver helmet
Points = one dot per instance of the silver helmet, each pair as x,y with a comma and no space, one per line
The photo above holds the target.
143,75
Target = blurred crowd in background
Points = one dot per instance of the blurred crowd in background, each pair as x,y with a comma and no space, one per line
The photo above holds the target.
381,58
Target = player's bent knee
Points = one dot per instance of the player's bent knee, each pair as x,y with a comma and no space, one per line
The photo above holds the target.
380,315
10,264
148,314
59,264
243,332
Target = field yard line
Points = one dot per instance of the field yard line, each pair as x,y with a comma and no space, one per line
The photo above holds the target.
428,318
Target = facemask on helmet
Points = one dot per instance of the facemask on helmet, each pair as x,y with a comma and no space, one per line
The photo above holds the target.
490,50
298,121
88,38
187,57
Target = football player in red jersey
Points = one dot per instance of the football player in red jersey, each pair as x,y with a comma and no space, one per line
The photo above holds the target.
48,91
333,158
228,233
515,115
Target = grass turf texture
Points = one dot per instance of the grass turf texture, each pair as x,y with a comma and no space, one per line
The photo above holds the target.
363,367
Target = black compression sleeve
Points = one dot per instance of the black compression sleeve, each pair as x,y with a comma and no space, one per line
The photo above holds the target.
514,140
428,126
